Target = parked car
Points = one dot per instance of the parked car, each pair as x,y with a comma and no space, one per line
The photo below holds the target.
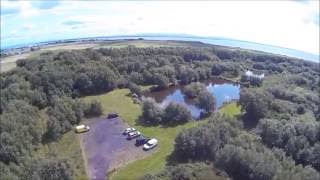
113,115
82,128
150,144
128,130
142,140
133,134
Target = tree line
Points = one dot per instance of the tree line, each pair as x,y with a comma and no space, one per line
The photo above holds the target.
230,149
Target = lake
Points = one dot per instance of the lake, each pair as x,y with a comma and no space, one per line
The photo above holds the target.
222,90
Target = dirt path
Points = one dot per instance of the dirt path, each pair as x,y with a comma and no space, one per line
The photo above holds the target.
105,148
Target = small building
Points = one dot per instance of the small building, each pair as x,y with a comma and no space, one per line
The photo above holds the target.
254,79
249,74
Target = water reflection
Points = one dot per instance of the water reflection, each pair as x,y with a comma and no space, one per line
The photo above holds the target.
222,91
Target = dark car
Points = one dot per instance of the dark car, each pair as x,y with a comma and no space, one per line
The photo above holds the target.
142,140
113,115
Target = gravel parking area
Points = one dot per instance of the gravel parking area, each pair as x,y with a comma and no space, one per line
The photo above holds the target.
105,148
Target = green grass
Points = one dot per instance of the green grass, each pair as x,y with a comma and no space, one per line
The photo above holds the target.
68,147
231,109
118,101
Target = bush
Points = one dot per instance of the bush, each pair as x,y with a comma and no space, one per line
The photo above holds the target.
191,171
188,75
63,114
161,80
151,111
240,153
192,90
300,140
301,109
176,113
93,109
206,101
259,66
50,169
196,143
256,104
135,89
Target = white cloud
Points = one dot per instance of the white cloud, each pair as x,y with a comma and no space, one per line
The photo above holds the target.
282,23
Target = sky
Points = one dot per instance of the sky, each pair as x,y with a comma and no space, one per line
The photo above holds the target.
289,24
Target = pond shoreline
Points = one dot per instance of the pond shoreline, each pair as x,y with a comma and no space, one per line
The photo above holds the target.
223,91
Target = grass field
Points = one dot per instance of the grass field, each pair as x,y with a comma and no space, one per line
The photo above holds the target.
119,101
231,109
68,147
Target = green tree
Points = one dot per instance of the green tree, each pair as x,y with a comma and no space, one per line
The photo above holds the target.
194,89
206,101
161,80
93,109
151,111
255,103
50,169
135,89
176,113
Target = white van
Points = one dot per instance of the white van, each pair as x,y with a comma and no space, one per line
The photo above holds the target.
82,128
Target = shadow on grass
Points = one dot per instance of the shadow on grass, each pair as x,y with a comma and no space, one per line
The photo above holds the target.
141,122
174,124
175,158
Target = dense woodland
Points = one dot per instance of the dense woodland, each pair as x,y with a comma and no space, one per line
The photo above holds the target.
278,136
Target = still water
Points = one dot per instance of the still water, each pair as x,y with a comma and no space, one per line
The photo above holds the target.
222,91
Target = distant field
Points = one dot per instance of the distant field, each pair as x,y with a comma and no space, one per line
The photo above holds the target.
9,63
143,44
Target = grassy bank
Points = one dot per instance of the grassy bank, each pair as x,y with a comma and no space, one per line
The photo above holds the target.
231,109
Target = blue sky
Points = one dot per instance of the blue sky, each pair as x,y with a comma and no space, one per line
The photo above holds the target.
290,24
